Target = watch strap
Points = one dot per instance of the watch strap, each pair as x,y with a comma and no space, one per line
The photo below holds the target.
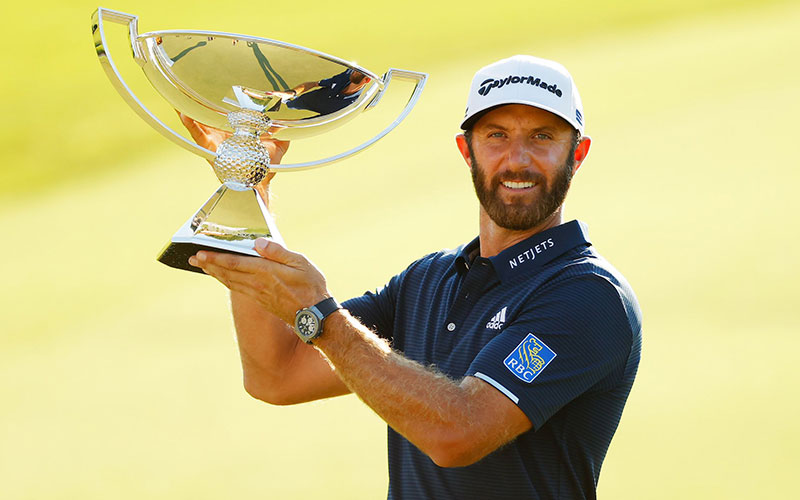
326,307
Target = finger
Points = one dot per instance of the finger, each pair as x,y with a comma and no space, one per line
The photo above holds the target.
235,281
192,124
195,129
232,262
274,251
282,147
228,271
253,286
189,123
277,148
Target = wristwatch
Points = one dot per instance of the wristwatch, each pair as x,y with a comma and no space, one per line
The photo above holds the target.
308,321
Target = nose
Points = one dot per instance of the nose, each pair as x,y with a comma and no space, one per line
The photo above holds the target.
519,154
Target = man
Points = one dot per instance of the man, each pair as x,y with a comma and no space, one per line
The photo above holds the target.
501,367
331,94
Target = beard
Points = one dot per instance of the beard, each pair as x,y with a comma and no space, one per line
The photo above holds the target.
522,216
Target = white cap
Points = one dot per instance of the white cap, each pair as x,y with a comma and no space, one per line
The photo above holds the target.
525,80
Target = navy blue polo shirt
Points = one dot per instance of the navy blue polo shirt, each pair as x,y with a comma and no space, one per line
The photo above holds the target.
547,322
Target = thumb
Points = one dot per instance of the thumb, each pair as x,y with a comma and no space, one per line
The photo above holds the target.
272,250
185,120
192,126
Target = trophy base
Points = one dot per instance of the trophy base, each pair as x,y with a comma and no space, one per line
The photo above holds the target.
177,255
211,229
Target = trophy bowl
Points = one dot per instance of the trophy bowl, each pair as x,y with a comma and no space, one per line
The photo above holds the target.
252,88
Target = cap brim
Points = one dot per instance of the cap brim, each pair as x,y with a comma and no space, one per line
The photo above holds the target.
470,120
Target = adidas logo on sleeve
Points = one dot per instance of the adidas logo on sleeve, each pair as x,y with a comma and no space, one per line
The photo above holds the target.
498,320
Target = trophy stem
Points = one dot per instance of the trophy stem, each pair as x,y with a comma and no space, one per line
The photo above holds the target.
235,215
230,221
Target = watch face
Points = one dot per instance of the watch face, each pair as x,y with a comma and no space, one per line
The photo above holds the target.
307,324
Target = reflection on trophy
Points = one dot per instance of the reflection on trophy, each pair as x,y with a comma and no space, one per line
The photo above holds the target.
250,87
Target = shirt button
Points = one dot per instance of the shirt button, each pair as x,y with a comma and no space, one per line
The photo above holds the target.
451,327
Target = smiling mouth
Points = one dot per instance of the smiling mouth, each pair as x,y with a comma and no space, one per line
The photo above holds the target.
518,185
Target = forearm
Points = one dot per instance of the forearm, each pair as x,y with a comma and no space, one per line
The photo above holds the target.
304,87
265,345
439,415
276,366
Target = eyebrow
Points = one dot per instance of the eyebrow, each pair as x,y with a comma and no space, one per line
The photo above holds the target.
543,128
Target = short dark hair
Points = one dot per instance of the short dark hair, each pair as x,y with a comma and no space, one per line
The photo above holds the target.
357,77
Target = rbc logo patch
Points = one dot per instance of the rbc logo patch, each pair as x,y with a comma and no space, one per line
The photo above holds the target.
529,358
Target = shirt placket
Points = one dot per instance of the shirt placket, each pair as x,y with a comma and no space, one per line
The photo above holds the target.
478,276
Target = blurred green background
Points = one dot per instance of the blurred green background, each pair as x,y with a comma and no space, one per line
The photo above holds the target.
119,377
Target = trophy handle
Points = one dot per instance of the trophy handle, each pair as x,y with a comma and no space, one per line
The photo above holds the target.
127,94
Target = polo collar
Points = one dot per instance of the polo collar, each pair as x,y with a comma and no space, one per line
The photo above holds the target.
530,254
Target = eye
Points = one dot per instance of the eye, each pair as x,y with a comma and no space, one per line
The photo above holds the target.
497,134
541,136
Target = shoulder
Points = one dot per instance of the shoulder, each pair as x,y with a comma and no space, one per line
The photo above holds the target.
377,308
588,292
436,261
423,269
338,78
586,271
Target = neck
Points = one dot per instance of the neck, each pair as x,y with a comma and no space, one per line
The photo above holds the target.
494,239
352,88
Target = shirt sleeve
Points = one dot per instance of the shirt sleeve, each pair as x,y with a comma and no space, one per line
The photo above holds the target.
376,310
568,339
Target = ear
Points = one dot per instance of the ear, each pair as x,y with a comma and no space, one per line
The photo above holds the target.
461,142
581,150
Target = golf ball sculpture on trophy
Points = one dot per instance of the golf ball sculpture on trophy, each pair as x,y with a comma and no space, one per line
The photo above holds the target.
248,87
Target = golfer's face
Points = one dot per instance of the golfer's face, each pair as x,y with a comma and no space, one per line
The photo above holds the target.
521,167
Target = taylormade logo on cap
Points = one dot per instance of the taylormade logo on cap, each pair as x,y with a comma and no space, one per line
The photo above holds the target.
491,83
525,80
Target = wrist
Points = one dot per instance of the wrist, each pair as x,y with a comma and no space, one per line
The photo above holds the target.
309,322
333,325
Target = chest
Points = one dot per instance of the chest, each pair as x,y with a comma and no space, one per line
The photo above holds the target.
447,320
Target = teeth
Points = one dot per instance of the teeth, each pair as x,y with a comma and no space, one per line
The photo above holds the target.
517,185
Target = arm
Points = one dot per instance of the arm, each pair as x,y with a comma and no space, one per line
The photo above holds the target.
455,422
304,87
294,91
